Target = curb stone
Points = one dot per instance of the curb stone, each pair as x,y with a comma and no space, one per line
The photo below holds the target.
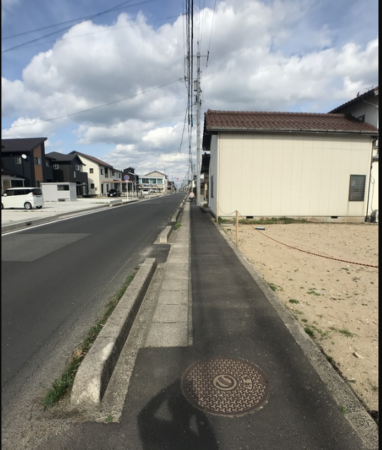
96,369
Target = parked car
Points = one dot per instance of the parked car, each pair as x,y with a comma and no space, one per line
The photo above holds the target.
22,197
113,193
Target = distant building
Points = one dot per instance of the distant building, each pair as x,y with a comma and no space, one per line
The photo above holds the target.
154,181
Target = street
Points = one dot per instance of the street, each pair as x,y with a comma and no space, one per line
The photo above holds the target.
58,277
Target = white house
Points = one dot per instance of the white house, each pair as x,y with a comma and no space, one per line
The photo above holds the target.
270,164
101,176
366,108
156,181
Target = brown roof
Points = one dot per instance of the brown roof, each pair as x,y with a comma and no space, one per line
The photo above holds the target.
284,121
372,92
92,158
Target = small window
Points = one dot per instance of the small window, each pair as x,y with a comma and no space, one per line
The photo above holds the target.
78,168
91,170
56,166
37,191
47,163
92,186
357,188
17,159
361,118
101,171
62,187
113,173
37,161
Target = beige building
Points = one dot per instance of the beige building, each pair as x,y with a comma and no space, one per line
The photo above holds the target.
101,176
153,182
301,165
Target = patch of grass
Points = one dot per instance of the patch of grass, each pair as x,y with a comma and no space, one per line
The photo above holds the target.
272,220
108,419
304,320
274,287
323,334
308,330
312,291
292,300
344,331
329,358
178,225
221,220
61,385
344,410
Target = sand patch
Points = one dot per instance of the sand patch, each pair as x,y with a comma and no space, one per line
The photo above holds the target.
335,302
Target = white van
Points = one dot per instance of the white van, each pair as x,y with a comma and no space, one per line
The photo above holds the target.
22,197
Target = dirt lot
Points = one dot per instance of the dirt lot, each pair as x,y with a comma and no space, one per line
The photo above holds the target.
335,302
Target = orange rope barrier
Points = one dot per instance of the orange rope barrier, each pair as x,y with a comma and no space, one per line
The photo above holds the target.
315,254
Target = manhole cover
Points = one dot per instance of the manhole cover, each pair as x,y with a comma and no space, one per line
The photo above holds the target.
225,387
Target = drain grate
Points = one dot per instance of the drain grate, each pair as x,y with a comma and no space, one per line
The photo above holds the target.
225,387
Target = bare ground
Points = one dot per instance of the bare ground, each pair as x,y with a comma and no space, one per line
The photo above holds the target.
336,302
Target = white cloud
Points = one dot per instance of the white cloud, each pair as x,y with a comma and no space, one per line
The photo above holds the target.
257,62
24,127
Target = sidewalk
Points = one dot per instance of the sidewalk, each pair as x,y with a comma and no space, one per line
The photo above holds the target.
15,219
246,355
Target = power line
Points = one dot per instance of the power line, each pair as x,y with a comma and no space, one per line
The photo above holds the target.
95,107
92,32
66,28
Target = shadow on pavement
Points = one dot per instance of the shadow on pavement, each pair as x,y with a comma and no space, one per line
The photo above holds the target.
183,428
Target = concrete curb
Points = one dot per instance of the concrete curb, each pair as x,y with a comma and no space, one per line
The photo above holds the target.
174,218
360,420
164,235
96,369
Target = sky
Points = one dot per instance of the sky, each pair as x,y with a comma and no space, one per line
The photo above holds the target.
106,78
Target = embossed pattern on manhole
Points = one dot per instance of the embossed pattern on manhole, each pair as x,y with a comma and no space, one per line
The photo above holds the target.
225,387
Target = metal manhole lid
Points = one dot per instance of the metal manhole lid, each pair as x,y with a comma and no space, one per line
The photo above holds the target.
225,387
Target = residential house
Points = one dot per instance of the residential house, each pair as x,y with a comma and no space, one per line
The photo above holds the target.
130,184
304,165
70,169
156,181
365,107
23,162
101,176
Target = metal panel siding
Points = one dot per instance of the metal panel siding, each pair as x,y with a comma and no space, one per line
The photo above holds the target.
213,173
284,175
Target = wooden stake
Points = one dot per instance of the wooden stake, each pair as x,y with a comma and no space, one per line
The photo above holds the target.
237,229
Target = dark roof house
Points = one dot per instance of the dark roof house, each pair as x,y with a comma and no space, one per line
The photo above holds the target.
25,157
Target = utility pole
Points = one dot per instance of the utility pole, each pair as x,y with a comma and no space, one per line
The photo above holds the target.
198,104
198,143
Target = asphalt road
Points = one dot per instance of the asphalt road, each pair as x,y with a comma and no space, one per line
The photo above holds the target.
57,278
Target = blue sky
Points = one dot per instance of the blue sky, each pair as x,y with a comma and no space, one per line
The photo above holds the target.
303,55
